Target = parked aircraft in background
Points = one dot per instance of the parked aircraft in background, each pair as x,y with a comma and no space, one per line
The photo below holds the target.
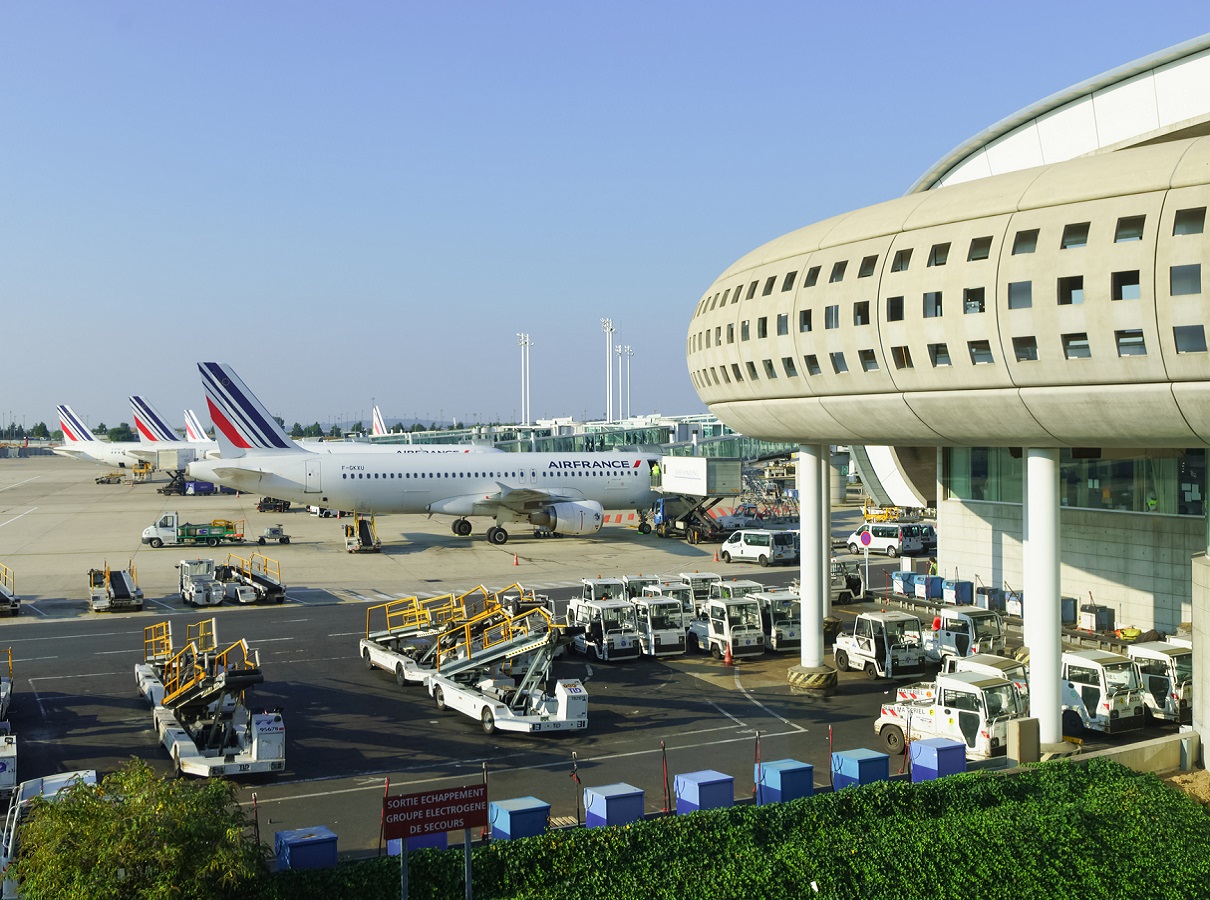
194,430
80,443
380,425
562,492
156,434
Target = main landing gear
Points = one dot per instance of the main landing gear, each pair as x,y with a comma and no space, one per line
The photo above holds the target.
497,535
461,527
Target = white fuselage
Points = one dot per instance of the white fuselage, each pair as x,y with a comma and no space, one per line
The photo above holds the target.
103,453
458,484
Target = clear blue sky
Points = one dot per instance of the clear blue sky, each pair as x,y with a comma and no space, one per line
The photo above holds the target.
365,200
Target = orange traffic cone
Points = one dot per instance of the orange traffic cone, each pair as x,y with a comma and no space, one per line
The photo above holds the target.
716,556
516,562
727,659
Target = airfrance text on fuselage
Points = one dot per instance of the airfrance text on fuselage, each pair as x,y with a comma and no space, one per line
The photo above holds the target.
592,464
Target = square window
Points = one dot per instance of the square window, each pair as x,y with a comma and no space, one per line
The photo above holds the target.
838,364
867,266
1025,241
752,289
787,363
770,372
730,333
902,260
932,304
743,330
1075,236
1185,280
787,283
811,361
1130,342
723,371
981,248
902,357
939,355
1075,346
831,317
837,272
894,309
769,282
861,312
762,327
735,372
1130,228
804,320
972,301
869,362
812,277
939,254
1125,285
981,352
1189,221
783,323
1071,290
1189,338
1020,294
1025,349
751,370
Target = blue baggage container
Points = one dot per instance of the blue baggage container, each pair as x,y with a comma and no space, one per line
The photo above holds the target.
706,789
929,587
305,848
783,779
958,592
517,818
1068,605
861,766
899,580
612,804
989,598
936,757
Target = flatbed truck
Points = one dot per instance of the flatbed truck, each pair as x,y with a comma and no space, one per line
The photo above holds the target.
170,530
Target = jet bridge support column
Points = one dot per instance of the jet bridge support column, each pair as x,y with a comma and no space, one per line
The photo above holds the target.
1043,614
811,675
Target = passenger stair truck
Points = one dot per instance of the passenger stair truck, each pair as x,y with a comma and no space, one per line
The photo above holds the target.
967,707
659,623
965,631
1166,677
252,580
48,789
1101,692
114,590
728,626
781,618
171,531
198,696
361,535
883,645
10,603
197,584
604,621
478,677
689,489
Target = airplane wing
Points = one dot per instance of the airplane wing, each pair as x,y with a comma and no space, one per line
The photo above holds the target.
521,501
144,455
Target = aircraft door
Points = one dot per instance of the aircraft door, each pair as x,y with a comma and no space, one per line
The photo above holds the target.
312,481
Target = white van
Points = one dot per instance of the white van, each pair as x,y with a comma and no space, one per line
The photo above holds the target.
887,537
759,546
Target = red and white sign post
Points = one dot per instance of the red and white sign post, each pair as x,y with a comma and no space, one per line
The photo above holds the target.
430,812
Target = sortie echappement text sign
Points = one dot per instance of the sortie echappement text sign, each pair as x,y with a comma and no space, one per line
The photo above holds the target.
429,812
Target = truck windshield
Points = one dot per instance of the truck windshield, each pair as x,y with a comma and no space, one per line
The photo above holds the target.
1002,701
987,627
1120,677
618,618
663,616
743,615
906,633
786,611
1184,667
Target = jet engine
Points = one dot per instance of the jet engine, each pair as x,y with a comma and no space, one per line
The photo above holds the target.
573,517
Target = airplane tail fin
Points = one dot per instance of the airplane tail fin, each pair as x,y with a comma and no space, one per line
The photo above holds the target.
151,426
240,420
380,426
194,430
74,429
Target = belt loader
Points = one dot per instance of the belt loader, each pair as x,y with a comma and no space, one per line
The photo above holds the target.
110,590
10,603
198,698
8,741
252,579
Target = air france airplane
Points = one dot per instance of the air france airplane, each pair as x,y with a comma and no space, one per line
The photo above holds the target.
194,430
156,434
563,492
80,443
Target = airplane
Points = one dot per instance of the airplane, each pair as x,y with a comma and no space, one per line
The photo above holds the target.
194,431
80,443
566,493
156,434
379,429
380,425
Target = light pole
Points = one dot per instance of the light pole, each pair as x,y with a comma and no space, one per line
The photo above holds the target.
617,351
607,327
525,343
629,352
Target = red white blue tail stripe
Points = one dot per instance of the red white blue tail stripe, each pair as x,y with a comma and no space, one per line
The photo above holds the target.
194,430
150,424
236,413
380,426
73,426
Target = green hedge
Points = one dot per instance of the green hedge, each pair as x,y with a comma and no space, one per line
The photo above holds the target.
1060,830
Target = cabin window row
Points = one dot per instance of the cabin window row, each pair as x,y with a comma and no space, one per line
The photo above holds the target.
511,474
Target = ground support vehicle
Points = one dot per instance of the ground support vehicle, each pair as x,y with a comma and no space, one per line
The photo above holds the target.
993,666
883,645
700,583
964,631
10,603
678,590
736,589
517,599
8,741
44,788
274,533
659,623
254,579
603,589
114,590
728,627
111,478
1101,692
197,583
890,538
845,582
690,488
270,504
605,625
361,536
198,696
636,583
781,618
761,546
170,530
1166,677
966,706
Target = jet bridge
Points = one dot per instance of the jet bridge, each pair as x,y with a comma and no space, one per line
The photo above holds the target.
690,487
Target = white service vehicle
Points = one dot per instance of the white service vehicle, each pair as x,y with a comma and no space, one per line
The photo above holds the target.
604,628
700,582
758,545
1101,692
964,631
1166,677
659,623
736,589
993,666
197,584
965,706
111,590
603,589
679,591
636,583
889,538
48,789
10,603
198,695
846,581
781,618
731,625
883,645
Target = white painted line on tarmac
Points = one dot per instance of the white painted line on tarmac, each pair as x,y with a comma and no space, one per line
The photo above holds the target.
727,714
16,517
164,605
743,690
32,659
347,634
19,483
67,637
268,640
113,652
35,609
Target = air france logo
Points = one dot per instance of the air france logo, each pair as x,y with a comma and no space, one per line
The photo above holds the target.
594,464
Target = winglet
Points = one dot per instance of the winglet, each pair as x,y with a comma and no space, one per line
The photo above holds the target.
152,427
240,420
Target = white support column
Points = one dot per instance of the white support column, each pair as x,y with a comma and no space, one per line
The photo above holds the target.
811,561
1041,606
825,527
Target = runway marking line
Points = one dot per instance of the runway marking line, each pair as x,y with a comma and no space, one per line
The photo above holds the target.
16,517
19,483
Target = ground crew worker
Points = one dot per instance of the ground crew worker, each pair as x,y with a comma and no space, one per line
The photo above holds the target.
655,473
932,565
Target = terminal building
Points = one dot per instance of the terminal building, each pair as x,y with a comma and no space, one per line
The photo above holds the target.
1023,334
